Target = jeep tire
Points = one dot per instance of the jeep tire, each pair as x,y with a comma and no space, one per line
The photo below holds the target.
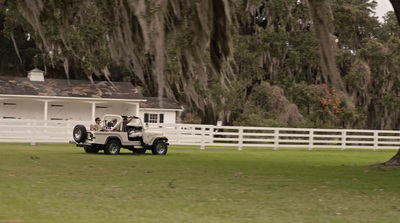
113,147
79,133
159,148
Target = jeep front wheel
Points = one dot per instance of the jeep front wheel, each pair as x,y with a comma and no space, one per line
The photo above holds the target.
159,148
113,147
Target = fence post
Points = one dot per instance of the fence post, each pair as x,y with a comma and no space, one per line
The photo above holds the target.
212,135
343,139
276,139
178,129
375,140
311,140
202,146
240,146
32,126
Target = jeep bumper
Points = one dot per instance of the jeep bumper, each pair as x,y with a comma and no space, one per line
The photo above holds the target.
79,144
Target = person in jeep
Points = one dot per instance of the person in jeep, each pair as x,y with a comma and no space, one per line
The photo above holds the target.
117,127
97,126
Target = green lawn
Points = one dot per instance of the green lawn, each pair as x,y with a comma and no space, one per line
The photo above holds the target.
61,183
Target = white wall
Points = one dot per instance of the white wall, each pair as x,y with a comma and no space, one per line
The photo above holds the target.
28,109
63,109
70,110
75,110
115,108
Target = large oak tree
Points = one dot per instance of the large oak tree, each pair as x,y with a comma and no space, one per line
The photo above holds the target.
289,50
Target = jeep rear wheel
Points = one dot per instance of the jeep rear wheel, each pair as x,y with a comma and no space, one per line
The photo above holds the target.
113,147
159,148
79,133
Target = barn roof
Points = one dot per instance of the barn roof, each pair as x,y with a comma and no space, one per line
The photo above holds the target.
160,103
68,88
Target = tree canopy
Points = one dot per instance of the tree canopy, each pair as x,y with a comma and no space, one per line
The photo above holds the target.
253,62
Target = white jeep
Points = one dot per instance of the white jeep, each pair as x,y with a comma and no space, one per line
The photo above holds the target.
112,137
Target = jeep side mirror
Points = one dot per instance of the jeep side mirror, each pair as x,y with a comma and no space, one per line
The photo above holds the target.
135,117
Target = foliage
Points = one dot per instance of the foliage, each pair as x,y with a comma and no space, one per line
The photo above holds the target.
331,104
190,118
12,33
276,76
268,106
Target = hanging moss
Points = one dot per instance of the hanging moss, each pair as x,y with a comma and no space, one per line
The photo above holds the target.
134,34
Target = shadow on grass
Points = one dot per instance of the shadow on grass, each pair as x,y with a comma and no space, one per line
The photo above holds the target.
120,154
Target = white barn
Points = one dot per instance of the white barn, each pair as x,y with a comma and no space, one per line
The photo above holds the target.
156,110
57,99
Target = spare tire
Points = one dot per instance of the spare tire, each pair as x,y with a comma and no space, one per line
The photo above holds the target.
79,133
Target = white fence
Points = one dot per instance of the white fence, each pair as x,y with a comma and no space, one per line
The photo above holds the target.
34,131
27,130
208,135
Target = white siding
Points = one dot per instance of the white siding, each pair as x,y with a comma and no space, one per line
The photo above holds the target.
28,109
73,110
115,108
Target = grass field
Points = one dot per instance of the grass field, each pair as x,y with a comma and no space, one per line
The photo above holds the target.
61,183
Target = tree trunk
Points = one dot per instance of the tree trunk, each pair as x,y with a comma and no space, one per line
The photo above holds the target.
396,7
395,160
321,14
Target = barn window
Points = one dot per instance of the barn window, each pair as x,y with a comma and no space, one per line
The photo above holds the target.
10,108
153,118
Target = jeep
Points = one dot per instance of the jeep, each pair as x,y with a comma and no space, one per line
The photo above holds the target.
112,137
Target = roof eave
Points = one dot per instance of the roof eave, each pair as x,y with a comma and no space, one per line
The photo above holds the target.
161,109
40,97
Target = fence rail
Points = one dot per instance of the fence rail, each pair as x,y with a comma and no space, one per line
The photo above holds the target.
34,131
